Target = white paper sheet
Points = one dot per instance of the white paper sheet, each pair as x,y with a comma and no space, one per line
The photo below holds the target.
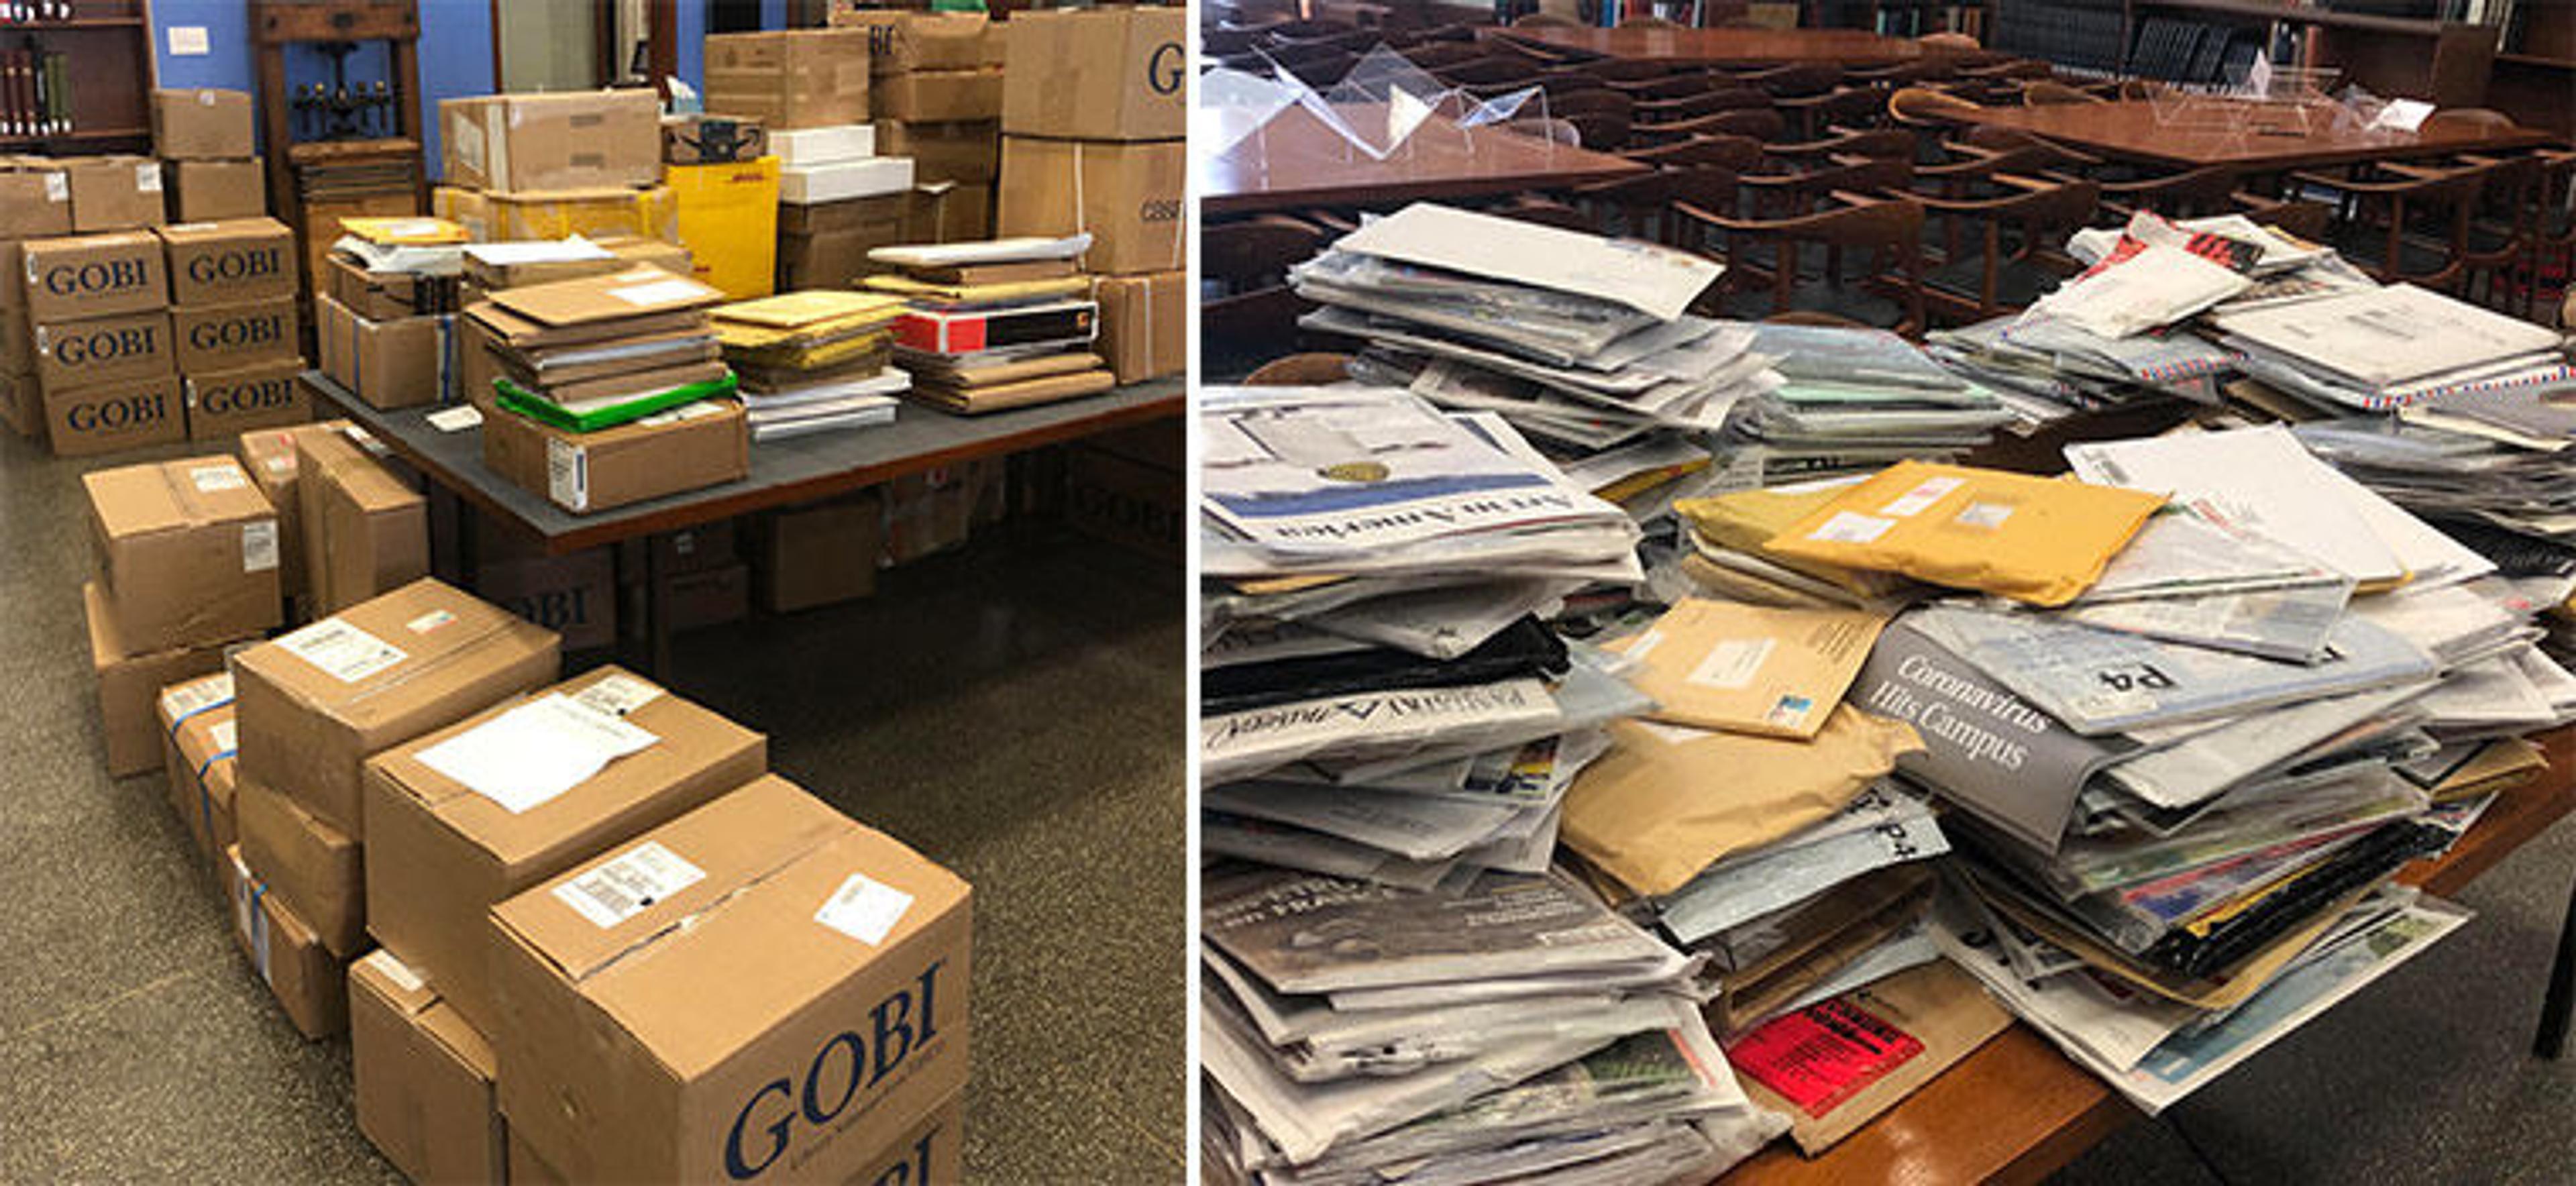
527,756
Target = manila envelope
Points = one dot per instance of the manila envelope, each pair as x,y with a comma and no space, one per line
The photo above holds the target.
1751,668
1837,1065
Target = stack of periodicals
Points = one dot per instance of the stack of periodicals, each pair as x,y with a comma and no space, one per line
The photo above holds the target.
600,351
813,361
994,325
1396,968
1853,400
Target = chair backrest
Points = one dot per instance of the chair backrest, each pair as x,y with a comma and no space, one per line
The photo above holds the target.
1756,123
1301,370
1735,153
1949,41
1882,142
2453,120
1432,55
1549,214
1489,72
1667,87
1595,102
1564,83
1923,107
1625,69
2042,92
1805,79
1545,20
1257,251
1704,103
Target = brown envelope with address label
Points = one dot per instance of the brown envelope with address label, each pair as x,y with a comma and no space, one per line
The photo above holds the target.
1751,668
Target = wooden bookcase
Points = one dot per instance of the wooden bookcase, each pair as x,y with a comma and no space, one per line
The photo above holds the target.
109,45
2444,62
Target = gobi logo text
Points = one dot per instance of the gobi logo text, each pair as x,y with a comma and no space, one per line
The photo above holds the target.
557,610
837,1073
256,395
1163,71
234,267
237,334
97,278
107,345
914,1169
117,415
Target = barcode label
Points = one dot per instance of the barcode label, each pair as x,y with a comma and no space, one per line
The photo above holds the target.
616,695
186,699
259,546
211,479
865,909
348,653
628,885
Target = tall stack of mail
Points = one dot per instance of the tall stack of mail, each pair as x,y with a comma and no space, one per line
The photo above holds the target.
994,325
813,361
1396,967
1854,400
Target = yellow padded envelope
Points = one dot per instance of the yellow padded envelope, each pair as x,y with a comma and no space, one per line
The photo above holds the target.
2039,540
1743,520
1750,668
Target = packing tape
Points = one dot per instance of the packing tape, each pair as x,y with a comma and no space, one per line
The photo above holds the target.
206,807
211,759
182,718
1081,209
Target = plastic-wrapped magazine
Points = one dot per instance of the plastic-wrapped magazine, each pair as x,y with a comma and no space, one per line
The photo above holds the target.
2099,681
1302,934
1290,847
1412,827
1857,359
2181,554
2113,1023
2292,624
1372,724
2086,864
1586,699
2193,769
1882,827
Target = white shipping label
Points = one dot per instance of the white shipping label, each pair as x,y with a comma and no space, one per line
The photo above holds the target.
864,909
617,695
147,177
1923,495
58,187
629,884
1673,734
1847,527
659,292
395,970
1987,515
212,479
188,699
567,474
342,650
532,754
429,621
1731,664
259,546
455,419
226,735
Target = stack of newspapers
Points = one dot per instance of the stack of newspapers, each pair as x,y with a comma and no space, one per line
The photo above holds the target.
1396,966
1582,342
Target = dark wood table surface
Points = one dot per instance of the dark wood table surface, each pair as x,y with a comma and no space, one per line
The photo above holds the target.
1298,161
2017,1110
1729,47
2266,140
783,472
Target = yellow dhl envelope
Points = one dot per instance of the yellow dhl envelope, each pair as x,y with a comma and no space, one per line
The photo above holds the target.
2038,540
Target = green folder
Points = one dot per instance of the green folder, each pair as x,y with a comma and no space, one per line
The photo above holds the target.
536,407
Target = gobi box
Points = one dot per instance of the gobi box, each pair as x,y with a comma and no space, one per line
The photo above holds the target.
1126,196
115,416
455,825
312,704
1097,74
227,263
809,1015
82,276
224,404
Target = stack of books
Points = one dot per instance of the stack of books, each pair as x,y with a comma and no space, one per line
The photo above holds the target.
600,351
989,326
813,361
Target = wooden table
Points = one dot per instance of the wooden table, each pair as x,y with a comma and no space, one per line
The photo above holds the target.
1297,161
783,472
2264,143
2017,1110
1729,47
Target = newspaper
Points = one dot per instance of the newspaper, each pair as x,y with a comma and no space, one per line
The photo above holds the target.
2194,769
2292,624
2103,682
1290,847
2181,554
2369,796
2113,1024
1412,827
1443,622
1314,1043
1306,934
1878,830
1370,724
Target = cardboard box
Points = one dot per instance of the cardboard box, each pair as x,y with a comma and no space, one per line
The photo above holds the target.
931,96
574,596
688,448
575,140
270,456
1128,196
130,680
624,1068
819,555
378,296
854,214
1098,74
728,217
1144,324
902,41
952,212
22,405
935,510
230,337
314,866
403,362
423,1077
712,140
841,181
714,597
594,214
366,531
99,350
224,404
199,748
115,193
1125,502
632,250
314,703
931,1153
803,78
307,981
958,151
17,344
225,263
114,417
84,276
695,549
187,552
201,124
35,203
441,854
208,191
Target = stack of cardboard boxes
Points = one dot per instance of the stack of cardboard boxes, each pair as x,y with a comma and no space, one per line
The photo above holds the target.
809,90
546,166
409,774
1094,116
187,570
938,80
85,276
209,170
233,326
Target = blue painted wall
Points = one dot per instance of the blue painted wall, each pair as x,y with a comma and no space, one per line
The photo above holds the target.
455,50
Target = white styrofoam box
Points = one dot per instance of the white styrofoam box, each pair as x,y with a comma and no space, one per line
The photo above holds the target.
824,146
843,180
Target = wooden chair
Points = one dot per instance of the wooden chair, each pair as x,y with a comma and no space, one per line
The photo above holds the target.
1737,153
2553,245
2045,93
1850,106
1875,144
1631,205
1545,212
1311,369
1669,86
1776,195
2191,193
1624,70
2410,226
2019,261
1545,20
1793,80
1600,131
1706,102
1750,122
1603,101
1952,42
1246,310
1435,55
1567,82
1886,233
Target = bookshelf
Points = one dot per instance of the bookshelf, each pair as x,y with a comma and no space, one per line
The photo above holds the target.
99,83
2446,62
